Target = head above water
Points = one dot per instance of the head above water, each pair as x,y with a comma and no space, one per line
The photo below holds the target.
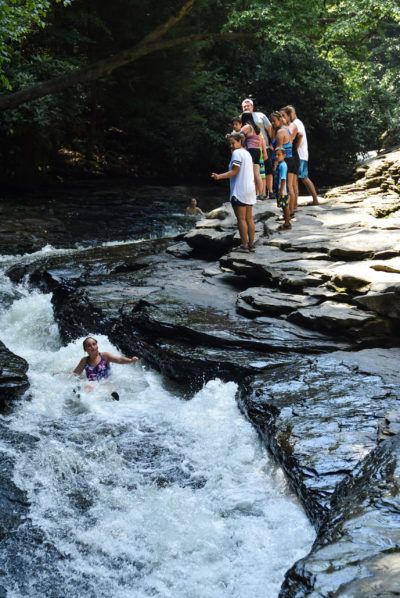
193,202
89,342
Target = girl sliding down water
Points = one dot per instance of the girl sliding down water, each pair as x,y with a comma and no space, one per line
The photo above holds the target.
97,365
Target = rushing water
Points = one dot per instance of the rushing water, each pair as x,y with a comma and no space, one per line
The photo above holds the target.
149,496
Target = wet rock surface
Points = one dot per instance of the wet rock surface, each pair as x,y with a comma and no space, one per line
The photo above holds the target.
290,323
325,429
13,378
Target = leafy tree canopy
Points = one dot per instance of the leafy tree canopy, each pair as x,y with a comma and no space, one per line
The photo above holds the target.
337,61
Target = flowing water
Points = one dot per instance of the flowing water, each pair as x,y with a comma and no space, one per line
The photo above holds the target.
149,496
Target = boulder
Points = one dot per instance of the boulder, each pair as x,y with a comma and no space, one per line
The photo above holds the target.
357,551
274,303
13,378
319,420
385,304
344,319
214,237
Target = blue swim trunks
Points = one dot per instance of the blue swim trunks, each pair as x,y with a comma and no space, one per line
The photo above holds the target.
303,169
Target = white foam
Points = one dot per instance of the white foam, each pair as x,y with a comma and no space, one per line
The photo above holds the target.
149,496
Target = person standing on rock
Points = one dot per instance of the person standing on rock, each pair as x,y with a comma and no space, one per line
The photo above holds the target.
97,365
242,189
264,124
283,140
253,145
299,130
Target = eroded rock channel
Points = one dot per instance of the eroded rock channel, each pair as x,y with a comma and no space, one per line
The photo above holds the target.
308,326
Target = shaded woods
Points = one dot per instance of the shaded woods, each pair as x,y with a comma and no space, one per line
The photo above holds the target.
148,88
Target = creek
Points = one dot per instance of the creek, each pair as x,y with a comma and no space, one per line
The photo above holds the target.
152,496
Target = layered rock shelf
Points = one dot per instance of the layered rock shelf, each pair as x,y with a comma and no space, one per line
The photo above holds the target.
307,325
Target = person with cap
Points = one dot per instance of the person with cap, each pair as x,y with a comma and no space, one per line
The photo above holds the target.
264,124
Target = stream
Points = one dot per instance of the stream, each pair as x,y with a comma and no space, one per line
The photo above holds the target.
151,496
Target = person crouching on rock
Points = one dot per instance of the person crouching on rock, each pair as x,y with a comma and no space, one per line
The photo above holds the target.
97,365
283,197
242,189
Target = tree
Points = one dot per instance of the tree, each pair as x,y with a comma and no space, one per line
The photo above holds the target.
124,77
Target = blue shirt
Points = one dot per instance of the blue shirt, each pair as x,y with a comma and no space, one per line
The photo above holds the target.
282,176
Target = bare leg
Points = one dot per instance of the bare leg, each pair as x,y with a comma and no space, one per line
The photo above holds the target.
250,225
240,213
292,193
286,215
296,191
257,179
311,189
270,183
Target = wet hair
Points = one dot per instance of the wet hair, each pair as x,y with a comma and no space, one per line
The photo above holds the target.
236,137
86,340
248,119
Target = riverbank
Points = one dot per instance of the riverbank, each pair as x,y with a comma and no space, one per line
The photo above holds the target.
308,327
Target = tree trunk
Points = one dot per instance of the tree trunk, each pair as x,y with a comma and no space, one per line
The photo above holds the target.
103,68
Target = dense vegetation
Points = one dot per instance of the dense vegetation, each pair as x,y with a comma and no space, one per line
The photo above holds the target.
165,111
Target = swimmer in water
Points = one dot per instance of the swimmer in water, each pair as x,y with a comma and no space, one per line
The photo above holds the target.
97,365
193,209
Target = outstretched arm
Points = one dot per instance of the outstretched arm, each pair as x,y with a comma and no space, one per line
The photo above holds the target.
226,175
119,359
80,367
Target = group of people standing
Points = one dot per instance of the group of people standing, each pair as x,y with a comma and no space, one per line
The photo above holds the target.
269,156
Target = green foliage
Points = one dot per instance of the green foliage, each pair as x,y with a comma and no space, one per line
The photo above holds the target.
337,61
17,19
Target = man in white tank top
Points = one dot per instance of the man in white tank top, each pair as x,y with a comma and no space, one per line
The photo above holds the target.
302,150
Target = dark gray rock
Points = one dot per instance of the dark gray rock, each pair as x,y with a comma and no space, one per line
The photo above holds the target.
13,379
273,303
345,319
319,423
166,308
215,237
272,267
385,304
357,551
323,425
211,242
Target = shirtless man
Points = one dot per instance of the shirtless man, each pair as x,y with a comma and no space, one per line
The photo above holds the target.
264,124
302,149
192,208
